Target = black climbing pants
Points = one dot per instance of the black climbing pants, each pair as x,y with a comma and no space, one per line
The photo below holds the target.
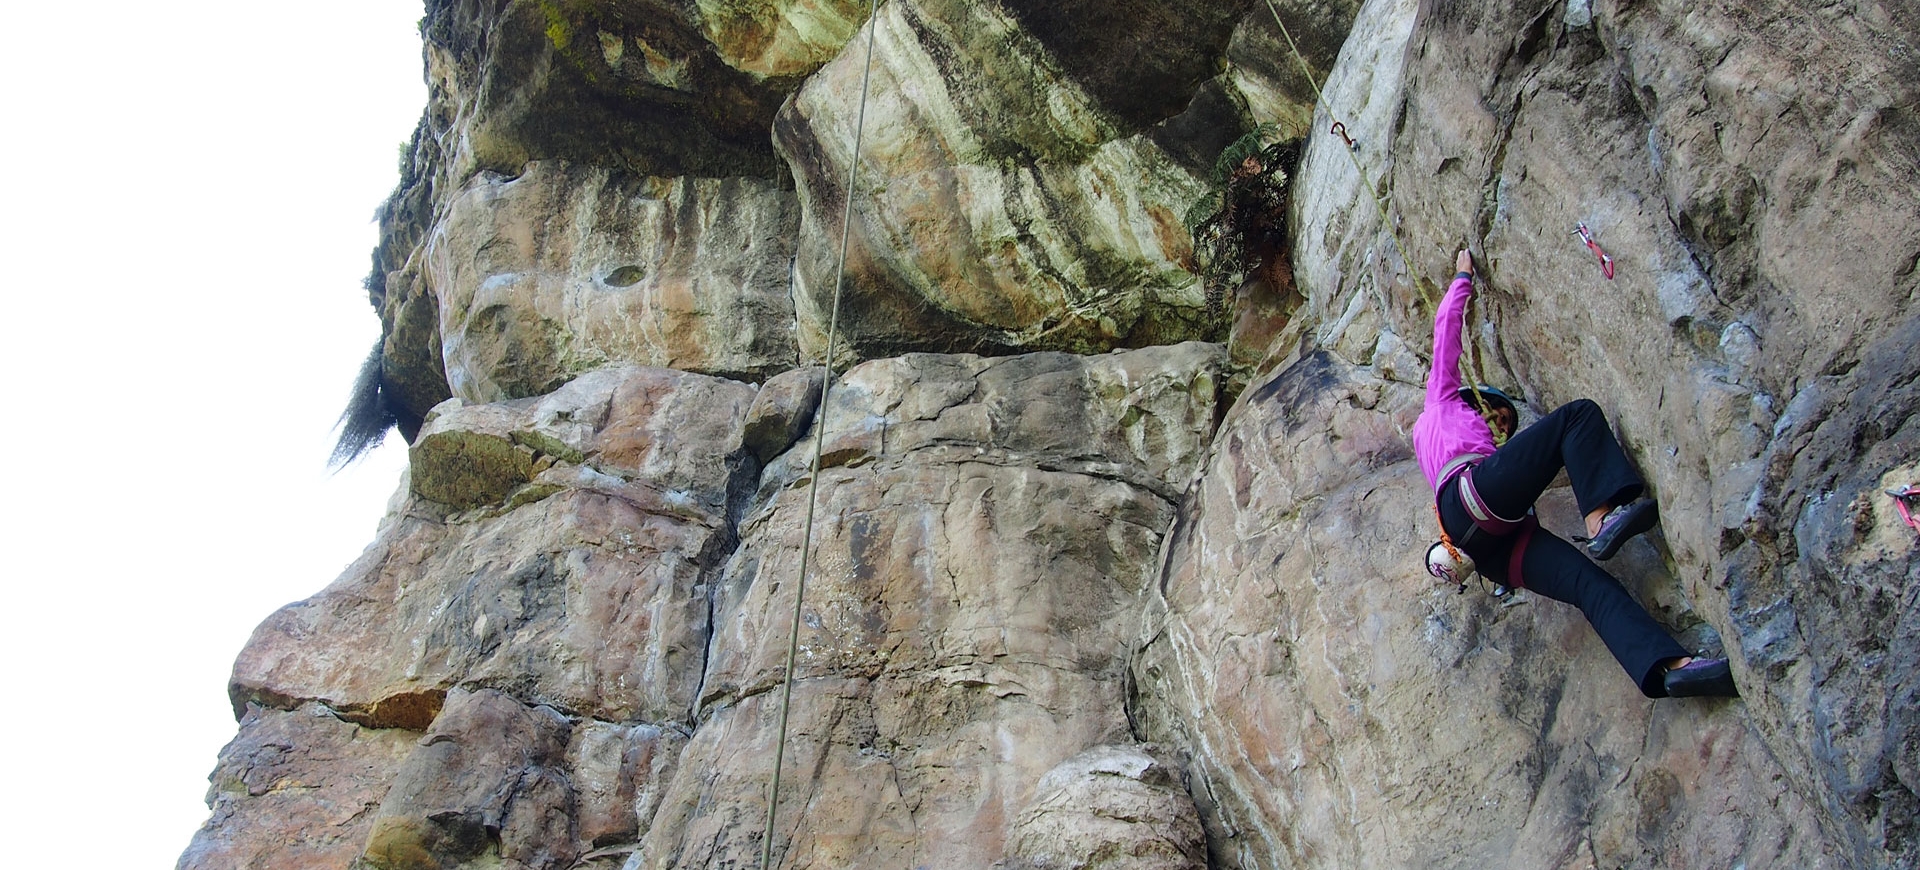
1575,437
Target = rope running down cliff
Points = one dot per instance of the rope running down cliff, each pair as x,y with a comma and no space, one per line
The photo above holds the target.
820,438
1470,363
806,549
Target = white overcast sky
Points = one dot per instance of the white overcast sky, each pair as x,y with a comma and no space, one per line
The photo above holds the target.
186,215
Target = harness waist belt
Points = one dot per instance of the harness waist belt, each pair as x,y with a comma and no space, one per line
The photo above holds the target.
1455,466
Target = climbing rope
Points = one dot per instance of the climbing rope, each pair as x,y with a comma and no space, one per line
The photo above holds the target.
820,438
1471,368
1353,152
1469,362
1453,551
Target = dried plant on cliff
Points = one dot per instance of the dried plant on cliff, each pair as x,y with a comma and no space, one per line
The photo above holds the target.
1240,226
368,417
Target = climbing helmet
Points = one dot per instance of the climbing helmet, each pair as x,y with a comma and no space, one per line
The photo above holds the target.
1448,563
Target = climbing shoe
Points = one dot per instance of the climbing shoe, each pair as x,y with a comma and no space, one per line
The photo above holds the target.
1701,678
1620,524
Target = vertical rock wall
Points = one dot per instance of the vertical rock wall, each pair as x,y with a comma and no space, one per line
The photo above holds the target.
1076,598
1749,168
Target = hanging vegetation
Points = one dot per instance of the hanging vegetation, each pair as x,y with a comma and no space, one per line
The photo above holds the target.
1239,227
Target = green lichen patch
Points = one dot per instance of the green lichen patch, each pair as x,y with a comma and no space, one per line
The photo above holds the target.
468,469
547,445
532,492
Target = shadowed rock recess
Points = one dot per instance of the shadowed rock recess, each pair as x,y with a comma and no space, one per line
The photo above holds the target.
1097,579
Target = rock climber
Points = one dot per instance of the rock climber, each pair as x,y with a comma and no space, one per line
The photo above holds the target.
1485,494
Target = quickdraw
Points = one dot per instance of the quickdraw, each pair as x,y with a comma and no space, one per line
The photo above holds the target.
1340,130
1903,499
1586,235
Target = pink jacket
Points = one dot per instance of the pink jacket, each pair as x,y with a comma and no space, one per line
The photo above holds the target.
1448,426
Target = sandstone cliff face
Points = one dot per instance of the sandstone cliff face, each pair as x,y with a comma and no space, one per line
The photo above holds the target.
1094,580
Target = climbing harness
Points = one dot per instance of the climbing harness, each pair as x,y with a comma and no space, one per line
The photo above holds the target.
1905,499
1586,236
1339,129
1457,465
1484,518
1453,565
813,485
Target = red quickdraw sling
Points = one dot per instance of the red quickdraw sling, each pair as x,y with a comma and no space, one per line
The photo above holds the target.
1900,499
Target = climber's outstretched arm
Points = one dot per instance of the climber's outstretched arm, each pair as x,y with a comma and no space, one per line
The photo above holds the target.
1449,321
